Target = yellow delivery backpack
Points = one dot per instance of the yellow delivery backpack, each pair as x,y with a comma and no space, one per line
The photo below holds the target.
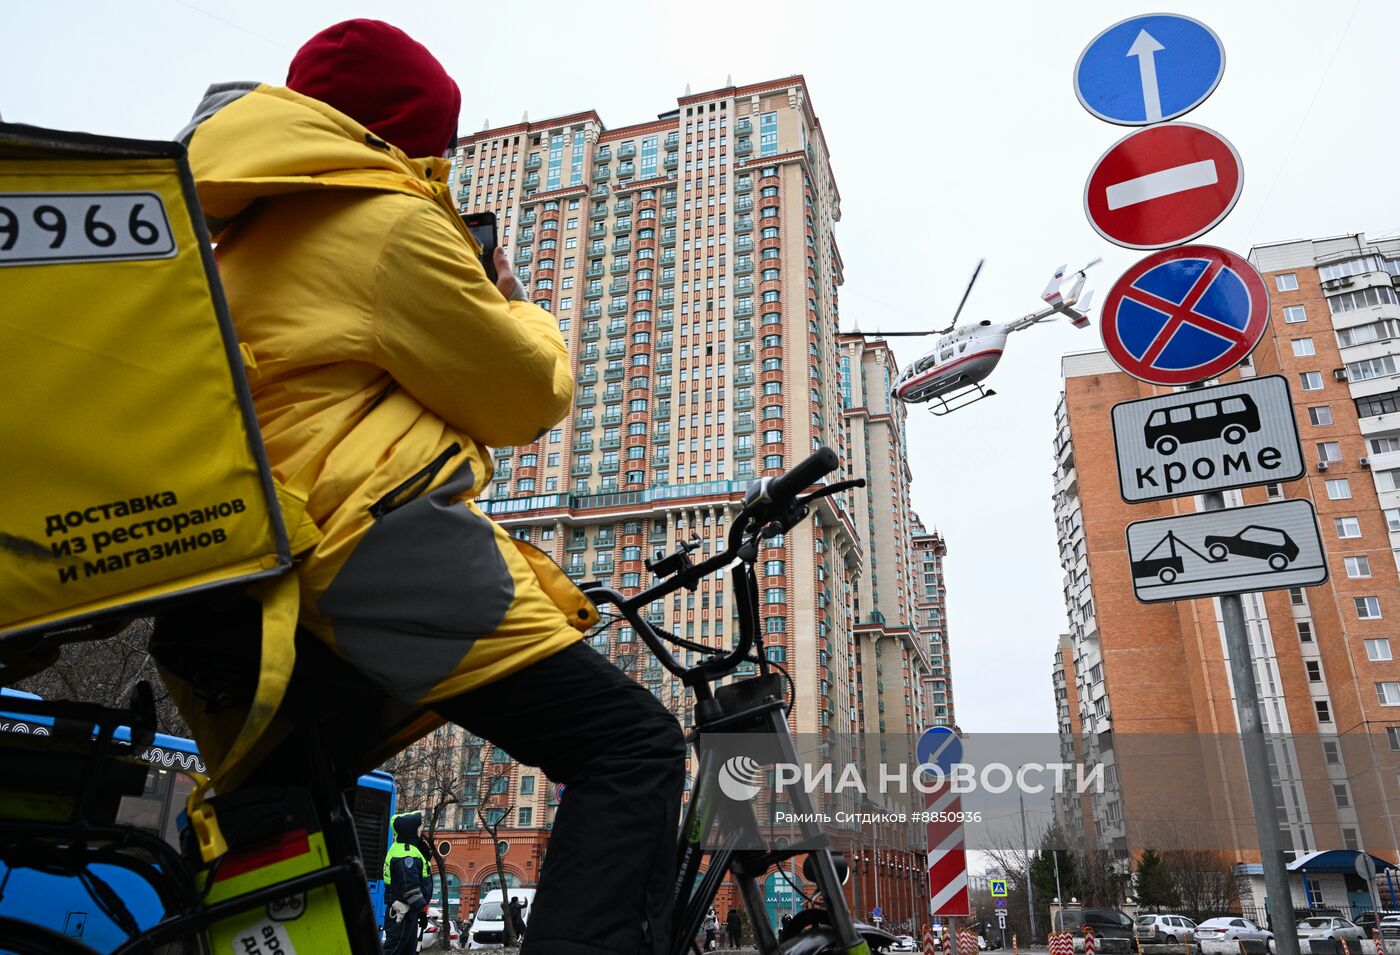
131,468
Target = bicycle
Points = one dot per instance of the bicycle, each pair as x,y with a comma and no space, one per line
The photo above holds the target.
757,704
90,771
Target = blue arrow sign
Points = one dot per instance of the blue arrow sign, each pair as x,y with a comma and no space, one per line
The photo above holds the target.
939,746
1149,69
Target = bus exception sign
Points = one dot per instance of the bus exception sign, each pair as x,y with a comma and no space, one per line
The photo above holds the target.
1207,439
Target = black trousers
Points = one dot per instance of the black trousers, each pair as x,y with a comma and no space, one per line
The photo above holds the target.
607,876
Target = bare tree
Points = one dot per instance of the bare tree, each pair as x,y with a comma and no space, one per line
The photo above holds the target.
1204,881
106,671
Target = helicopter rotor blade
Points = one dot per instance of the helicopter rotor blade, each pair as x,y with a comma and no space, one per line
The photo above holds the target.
966,292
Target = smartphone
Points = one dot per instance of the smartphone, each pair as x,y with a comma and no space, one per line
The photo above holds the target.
482,226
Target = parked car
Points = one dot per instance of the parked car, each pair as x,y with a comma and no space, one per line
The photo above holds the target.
1161,929
428,937
1330,926
1229,928
1106,923
1390,926
904,943
488,926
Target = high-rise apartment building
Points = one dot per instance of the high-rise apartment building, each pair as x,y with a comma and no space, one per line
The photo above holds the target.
1326,676
692,265
931,622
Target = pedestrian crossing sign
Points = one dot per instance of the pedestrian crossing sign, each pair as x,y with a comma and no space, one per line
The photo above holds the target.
998,888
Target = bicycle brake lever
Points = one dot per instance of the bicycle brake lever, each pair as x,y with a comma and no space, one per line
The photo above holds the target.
831,489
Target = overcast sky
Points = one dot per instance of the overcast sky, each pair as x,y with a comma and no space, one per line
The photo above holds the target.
954,133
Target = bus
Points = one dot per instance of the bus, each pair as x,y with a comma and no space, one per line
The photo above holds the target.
62,903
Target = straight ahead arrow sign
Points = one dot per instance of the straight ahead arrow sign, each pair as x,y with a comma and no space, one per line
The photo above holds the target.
1144,48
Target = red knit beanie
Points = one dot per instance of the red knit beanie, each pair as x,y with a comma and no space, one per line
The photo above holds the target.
383,79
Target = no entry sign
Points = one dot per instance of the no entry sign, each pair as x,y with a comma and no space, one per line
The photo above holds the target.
1185,315
1163,185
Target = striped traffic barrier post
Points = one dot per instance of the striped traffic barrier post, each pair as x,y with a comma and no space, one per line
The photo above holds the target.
1089,945
1014,949
1345,949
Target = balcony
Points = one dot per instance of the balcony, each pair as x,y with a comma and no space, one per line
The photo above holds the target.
598,212
600,191
671,140
743,330
610,444
611,419
744,403
668,257
621,267
744,353
744,244
601,174
669,199
617,308
602,154
744,377
583,444
528,218
502,473
588,377
743,311
667,298
627,151
743,287
743,147
743,450
581,469
622,246
533,162
576,571
668,236
671,162
668,278
662,391
745,204
743,128
743,224
665,323
743,184
586,399
591,333
623,207
744,266
609,467
626,170
616,349
576,544
658,461
668,217
594,310
523,255
532,181
622,226
584,421
594,270
598,230
661,411
602,567
526,236
593,291
597,248
744,425
617,327
615,374
618,286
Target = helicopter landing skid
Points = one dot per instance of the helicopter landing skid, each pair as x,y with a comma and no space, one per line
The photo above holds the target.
947,404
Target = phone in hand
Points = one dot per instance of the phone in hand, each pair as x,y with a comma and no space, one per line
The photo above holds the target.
482,226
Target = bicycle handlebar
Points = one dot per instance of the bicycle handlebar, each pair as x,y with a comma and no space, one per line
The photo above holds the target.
764,499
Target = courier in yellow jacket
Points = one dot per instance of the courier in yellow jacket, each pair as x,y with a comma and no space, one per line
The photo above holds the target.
383,365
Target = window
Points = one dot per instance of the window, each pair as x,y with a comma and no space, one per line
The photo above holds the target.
1341,796
1368,608
1311,380
1392,734
1378,650
526,816
1389,695
1347,527
1358,566
773,568
1378,404
1303,347
1324,711
767,134
1314,670
527,785
1392,519
1293,314
1320,414
1287,282
1305,634
1338,489
1371,368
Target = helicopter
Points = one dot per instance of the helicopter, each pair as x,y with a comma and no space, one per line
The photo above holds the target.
950,376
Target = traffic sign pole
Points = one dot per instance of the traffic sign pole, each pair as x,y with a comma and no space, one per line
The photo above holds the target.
1256,763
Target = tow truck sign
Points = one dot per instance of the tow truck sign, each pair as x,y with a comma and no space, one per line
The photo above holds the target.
1230,551
1208,439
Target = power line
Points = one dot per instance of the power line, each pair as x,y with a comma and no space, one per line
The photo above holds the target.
238,27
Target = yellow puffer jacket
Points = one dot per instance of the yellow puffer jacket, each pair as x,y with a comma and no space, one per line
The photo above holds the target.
383,365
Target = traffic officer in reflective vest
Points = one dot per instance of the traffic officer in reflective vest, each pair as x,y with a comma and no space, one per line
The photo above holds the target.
408,882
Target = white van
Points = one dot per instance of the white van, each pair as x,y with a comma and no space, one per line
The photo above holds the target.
488,928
